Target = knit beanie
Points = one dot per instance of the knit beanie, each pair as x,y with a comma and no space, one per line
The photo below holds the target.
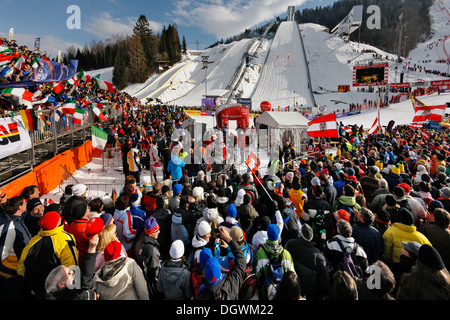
176,249
151,226
232,211
203,228
93,227
406,216
273,232
213,272
205,254
49,220
112,250
430,257
306,232
33,203
79,189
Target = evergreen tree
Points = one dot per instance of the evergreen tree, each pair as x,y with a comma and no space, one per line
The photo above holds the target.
120,78
138,67
184,46
142,29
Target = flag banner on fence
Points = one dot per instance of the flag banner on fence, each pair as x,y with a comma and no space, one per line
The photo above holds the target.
29,119
99,139
15,137
324,126
375,127
78,116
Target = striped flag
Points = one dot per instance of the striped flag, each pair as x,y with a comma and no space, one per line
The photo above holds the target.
348,129
114,195
78,115
43,119
20,63
99,139
58,86
375,127
98,113
427,113
20,92
29,119
103,85
425,135
324,126
5,59
415,125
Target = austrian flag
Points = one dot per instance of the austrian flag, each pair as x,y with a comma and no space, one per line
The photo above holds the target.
324,126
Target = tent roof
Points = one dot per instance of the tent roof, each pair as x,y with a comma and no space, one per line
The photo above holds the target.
282,119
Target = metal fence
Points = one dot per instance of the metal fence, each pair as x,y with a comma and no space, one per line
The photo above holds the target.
54,134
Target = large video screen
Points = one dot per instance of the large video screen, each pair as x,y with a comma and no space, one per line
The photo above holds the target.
370,75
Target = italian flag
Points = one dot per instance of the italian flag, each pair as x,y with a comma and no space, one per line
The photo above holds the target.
5,59
20,63
5,49
78,116
98,113
20,92
58,86
99,139
69,107
103,85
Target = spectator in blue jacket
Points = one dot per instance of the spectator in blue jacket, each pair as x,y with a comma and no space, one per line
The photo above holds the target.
175,168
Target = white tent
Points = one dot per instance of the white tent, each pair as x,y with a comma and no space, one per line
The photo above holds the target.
281,127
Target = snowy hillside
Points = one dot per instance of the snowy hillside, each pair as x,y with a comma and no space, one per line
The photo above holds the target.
277,72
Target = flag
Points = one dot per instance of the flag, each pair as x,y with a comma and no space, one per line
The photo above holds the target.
252,162
375,127
98,113
37,44
5,59
324,126
103,85
78,115
20,63
29,119
415,125
50,201
425,135
11,34
19,92
69,107
5,49
58,86
427,113
114,195
99,139
45,121
348,129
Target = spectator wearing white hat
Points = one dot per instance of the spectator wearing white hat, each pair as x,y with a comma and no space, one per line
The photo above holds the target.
79,192
175,281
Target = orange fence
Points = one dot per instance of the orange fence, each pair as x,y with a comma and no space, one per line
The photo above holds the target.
46,175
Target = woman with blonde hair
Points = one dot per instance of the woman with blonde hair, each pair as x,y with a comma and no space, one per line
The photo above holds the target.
107,235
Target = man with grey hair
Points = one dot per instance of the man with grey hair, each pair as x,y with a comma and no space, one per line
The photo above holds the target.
367,236
379,196
200,181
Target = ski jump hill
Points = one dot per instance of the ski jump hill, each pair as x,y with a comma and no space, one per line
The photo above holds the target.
285,78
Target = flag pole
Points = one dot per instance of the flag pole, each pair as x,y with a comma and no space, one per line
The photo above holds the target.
378,110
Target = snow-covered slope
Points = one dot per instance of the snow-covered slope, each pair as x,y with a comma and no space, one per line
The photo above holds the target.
277,72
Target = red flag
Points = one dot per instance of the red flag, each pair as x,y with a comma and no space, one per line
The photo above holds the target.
348,129
425,135
426,113
253,162
375,127
324,126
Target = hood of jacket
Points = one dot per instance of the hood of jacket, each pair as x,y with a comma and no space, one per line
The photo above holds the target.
177,218
176,160
347,200
110,270
210,214
198,242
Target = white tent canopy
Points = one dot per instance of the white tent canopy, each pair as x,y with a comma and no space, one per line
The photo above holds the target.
281,127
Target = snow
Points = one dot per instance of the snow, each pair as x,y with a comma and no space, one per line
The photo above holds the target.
330,62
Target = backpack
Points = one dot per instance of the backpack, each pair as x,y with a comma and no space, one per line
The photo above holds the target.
347,263
274,275
248,287
318,221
